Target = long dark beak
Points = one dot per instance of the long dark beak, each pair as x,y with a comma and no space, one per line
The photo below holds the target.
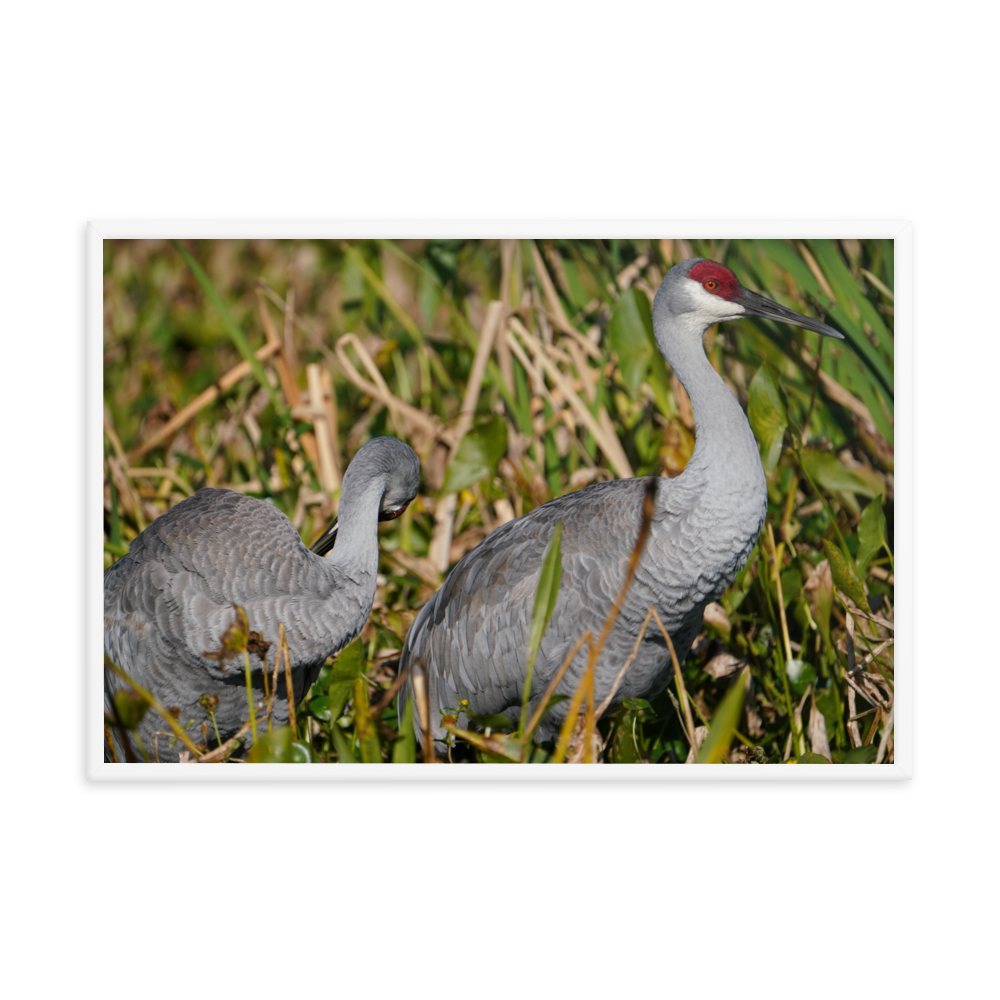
757,305
326,541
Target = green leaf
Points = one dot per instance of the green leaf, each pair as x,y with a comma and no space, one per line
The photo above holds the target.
500,723
847,290
343,745
349,666
724,722
364,726
636,703
131,707
274,747
301,753
859,755
791,584
829,706
404,750
630,334
319,708
478,454
350,663
808,758
789,259
546,596
629,741
820,592
844,577
800,675
768,413
827,471
323,679
871,534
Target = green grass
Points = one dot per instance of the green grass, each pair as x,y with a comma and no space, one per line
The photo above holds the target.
177,318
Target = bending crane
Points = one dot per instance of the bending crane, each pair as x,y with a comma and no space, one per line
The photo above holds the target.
170,600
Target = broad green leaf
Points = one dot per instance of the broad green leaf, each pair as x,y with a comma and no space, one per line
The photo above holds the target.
630,334
274,747
349,666
323,679
829,706
844,577
301,753
791,584
319,708
826,469
637,703
350,663
478,454
859,755
724,722
404,750
768,414
625,748
131,707
546,597
800,675
809,758
871,534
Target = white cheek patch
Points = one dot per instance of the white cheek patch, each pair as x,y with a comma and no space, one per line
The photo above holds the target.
715,305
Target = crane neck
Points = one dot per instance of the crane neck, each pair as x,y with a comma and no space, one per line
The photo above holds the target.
725,447
356,553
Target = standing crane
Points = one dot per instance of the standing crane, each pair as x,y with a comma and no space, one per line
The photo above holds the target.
170,600
470,641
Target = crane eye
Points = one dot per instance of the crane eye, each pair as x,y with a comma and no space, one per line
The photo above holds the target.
711,285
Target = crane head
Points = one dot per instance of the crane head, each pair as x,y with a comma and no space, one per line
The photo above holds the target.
402,477
385,464
713,292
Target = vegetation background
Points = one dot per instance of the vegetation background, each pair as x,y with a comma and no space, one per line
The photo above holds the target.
548,343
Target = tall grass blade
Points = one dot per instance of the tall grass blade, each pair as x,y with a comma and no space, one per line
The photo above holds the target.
235,333
871,535
404,750
715,748
545,603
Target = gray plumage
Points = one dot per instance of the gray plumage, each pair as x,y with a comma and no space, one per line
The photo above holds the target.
170,599
471,639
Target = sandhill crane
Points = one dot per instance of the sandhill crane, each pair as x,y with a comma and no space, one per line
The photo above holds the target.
171,598
471,639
